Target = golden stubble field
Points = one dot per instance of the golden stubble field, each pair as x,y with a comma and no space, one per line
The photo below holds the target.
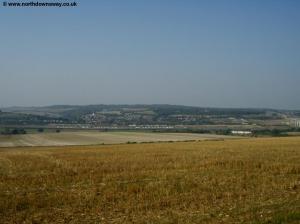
231,181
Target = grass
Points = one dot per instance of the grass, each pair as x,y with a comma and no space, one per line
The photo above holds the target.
231,181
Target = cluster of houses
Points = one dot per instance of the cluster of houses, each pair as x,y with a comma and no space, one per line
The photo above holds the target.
297,123
294,123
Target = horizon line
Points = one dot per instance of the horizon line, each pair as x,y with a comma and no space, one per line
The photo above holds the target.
155,104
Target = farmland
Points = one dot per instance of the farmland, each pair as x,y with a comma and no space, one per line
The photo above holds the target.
255,180
96,137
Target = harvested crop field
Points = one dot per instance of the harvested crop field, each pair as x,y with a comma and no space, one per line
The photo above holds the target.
231,181
94,137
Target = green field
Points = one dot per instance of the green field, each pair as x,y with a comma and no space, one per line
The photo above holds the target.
254,180
96,137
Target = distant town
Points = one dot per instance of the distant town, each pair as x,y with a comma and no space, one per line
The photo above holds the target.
165,118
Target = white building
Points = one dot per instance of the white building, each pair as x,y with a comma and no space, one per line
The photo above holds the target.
241,132
295,123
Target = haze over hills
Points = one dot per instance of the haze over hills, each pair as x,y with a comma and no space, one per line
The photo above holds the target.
242,53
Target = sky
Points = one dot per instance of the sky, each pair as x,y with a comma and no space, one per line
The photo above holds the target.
214,53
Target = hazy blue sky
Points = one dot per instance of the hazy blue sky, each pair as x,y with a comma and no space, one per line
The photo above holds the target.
204,53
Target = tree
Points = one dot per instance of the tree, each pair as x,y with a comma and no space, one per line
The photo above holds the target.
15,132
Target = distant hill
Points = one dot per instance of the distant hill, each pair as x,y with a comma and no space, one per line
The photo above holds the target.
142,114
